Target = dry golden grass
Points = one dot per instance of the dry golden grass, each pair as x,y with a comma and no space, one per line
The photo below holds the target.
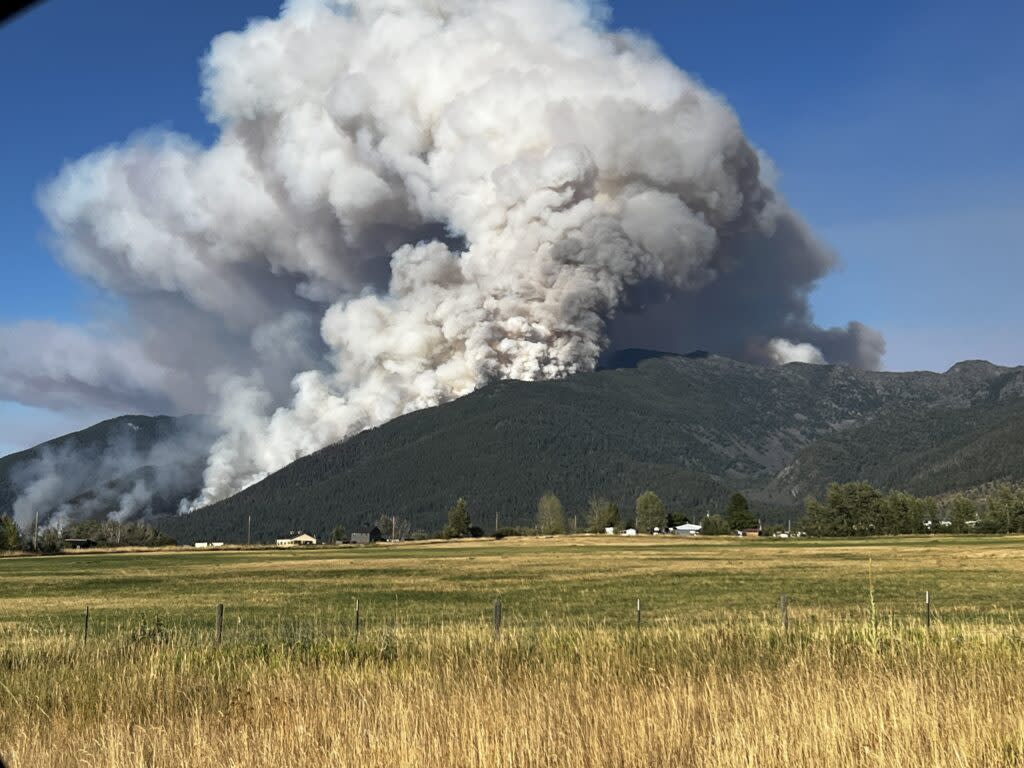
731,694
850,683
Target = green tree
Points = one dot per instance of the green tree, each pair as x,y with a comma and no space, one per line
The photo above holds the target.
550,515
601,514
650,512
338,534
458,521
818,520
902,513
738,513
10,536
715,525
962,511
1005,509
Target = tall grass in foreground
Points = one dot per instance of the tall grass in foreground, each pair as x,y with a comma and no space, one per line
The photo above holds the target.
738,693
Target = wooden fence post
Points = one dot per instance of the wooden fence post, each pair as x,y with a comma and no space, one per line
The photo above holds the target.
220,622
357,620
85,634
928,610
784,609
638,613
497,618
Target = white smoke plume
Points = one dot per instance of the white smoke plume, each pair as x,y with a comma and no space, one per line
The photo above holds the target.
783,352
452,191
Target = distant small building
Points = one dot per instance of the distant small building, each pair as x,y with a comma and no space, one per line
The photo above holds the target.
629,532
367,537
79,544
297,540
687,529
201,544
749,532
610,530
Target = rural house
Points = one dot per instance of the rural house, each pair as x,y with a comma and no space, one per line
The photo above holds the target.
297,540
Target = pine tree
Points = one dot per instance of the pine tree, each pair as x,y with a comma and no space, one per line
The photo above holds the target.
738,513
458,521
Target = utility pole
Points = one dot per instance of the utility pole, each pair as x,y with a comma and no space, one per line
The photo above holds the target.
394,526
35,532
495,521
248,531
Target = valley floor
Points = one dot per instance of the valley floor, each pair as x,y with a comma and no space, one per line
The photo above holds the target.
711,677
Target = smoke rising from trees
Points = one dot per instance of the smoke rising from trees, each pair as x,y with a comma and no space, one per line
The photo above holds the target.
408,199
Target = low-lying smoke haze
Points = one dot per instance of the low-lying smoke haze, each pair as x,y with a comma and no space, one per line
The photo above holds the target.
408,199
134,468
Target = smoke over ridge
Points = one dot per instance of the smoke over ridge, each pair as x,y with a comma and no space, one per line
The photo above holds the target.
410,198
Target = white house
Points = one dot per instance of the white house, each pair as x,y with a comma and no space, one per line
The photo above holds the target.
301,540
629,532
687,529
202,544
610,530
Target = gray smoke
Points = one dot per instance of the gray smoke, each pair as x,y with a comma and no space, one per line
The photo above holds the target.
130,475
411,198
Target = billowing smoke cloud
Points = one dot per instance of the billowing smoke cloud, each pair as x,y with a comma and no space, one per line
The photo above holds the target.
451,192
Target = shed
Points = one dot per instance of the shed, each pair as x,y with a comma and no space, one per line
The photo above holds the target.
79,543
367,537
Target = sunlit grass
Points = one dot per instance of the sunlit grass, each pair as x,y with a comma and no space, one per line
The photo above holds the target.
711,678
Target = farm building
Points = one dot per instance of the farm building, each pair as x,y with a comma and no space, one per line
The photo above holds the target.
297,540
79,543
367,537
686,529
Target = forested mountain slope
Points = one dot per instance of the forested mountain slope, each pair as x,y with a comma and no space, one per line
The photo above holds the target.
691,428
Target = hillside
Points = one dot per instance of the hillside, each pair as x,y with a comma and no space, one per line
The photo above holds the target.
691,428
136,465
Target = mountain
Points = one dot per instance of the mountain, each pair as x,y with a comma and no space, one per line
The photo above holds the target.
132,466
692,428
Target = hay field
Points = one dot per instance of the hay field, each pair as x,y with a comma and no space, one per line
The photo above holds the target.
711,678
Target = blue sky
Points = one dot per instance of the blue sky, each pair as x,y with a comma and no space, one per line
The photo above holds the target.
895,128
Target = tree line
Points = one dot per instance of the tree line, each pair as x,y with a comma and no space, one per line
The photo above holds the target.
648,515
846,509
102,533
860,509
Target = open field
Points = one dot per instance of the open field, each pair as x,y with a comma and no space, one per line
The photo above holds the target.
710,679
